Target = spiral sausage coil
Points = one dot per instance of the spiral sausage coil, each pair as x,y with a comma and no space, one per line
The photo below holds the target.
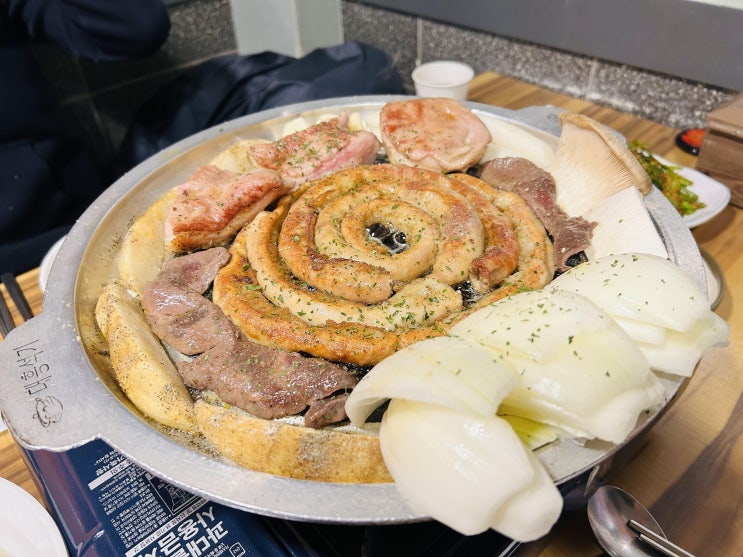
310,276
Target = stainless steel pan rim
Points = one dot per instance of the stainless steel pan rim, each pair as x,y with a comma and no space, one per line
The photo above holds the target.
55,396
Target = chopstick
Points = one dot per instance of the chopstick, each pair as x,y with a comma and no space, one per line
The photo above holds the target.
7,323
16,294
665,546
6,319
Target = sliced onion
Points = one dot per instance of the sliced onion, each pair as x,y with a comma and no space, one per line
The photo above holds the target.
537,326
578,369
642,287
612,421
534,510
447,371
642,331
656,303
467,471
680,352
510,140
532,434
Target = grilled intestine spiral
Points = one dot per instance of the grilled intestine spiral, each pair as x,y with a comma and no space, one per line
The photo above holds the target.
315,262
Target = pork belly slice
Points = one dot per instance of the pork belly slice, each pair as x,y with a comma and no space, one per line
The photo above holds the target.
437,134
213,204
570,235
264,381
317,151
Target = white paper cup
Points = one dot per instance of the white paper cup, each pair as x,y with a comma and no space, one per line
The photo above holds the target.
443,78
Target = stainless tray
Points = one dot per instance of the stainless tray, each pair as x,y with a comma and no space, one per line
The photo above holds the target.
56,391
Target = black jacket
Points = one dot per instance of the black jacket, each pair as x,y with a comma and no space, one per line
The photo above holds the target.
46,180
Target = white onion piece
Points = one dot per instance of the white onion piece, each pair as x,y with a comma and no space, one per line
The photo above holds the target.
295,125
680,352
612,421
642,331
369,122
540,326
646,294
448,371
537,326
639,286
579,370
534,510
466,471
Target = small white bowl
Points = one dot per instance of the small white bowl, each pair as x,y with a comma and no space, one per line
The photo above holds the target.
443,78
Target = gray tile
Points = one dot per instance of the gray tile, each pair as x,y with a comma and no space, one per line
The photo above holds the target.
201,29
668,100
665,99
485,52
392,32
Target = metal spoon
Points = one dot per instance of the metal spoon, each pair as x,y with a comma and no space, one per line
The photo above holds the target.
610,511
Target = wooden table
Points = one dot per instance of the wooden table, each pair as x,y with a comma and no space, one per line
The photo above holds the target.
689,468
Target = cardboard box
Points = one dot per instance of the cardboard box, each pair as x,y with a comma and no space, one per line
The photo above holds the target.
721,154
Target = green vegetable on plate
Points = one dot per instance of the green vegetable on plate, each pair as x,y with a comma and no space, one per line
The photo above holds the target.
666,178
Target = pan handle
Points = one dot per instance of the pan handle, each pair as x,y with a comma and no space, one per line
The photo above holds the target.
41,399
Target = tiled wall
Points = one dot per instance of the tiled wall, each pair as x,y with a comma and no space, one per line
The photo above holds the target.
661,98
99,100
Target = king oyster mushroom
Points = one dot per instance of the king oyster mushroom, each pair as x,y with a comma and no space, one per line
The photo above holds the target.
592,163
598,178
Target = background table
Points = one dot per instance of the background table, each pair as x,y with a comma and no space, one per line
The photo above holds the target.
689,468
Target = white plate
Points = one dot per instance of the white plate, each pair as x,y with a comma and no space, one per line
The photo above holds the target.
46,266
26,528
712,193
715,279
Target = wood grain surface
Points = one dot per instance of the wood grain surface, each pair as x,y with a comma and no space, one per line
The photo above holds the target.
12,466
689,468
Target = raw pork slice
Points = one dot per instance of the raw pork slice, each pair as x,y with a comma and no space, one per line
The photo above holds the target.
213,204
436,134
317,151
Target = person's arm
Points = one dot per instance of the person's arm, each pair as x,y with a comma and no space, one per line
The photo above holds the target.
98,30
